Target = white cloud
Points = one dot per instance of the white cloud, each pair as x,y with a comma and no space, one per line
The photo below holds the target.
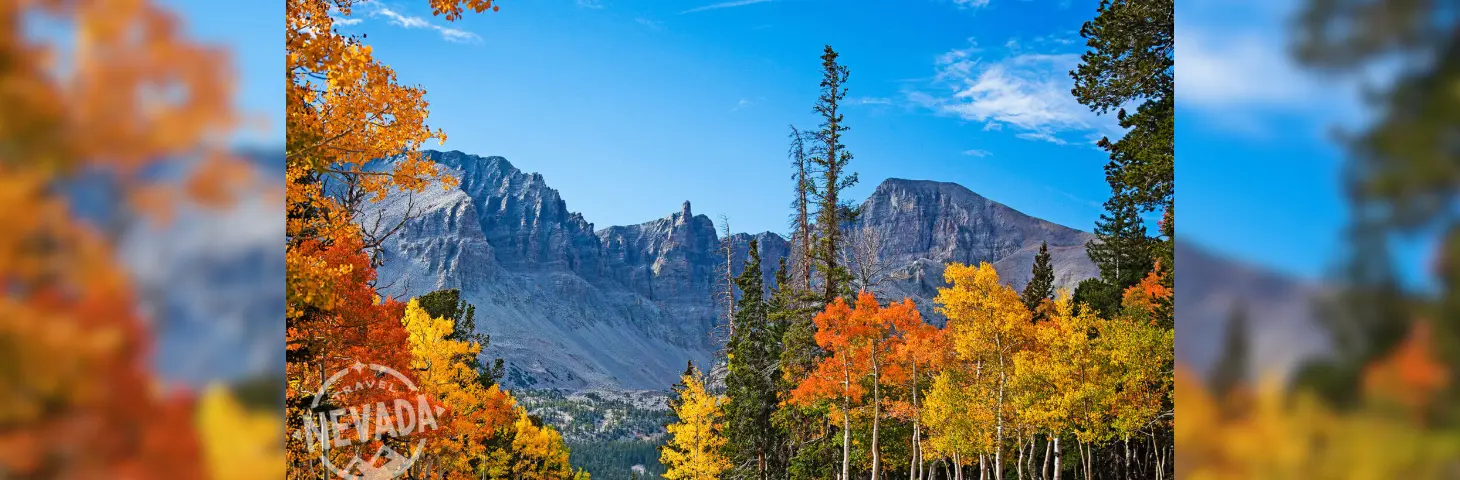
594,4
408,21
1241,79
1025,91
971,3
347,21
741,104
1238,68
977,153
735,3
649,23
869,101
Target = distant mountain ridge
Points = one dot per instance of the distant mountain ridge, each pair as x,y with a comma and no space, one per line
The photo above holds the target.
624,307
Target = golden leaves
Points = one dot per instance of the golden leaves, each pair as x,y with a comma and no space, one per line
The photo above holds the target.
238,443
693,451
1277,435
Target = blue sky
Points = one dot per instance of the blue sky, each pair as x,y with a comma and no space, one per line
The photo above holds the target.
631,107
1257,165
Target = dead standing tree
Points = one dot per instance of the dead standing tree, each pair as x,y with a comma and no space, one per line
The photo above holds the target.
725,275
862,254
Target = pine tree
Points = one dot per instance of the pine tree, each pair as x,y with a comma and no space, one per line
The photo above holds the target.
820,174
1121,250
831,158
801,229
1131,57
751,382
1041,282
1231,368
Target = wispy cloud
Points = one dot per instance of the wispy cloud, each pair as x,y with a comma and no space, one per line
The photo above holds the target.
649,23
1240,84
745,103
594,4
977,153
408,21
869,101
971,3
1026,91
346,21
733,3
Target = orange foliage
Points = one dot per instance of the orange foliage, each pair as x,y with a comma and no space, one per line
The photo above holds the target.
1411,375
78,399
848,335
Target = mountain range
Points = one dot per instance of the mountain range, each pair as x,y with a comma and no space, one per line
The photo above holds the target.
644,307
571,306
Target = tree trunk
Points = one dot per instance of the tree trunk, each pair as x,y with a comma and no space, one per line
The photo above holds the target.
876,416
915,472
1089,459
1044,473
1030,458
1019,464
1126,440
912,468
847,441
999,429
1056,457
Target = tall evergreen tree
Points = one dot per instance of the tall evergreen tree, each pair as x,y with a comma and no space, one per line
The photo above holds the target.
751,384
1231,369
830,157
1130,57
1122,252
801,232
1041,282
820,161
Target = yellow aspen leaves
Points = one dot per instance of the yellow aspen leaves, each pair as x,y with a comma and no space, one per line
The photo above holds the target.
694,448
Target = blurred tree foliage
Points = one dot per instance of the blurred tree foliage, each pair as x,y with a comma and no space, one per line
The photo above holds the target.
1402,176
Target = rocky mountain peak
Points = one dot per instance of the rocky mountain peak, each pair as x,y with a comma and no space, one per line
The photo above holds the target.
625,306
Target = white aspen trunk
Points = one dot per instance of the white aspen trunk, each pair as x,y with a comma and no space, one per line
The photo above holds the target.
846,420
847,441
999,429
1031,456
1127,456
983,467
1056,457
876,415
1019,463
915,471
1089,460
1044,474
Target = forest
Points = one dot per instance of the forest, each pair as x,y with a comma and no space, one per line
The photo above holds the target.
345,109
826,380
